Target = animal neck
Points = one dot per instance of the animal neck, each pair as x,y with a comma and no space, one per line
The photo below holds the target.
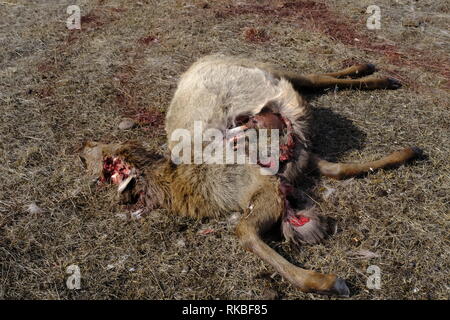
158,179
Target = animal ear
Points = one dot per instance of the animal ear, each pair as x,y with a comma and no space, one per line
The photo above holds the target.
78,148
83,161
81,150
91,156
88,144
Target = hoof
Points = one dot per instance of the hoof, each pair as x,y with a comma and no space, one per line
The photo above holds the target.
417,151
370,68
340,288
364,69
393,83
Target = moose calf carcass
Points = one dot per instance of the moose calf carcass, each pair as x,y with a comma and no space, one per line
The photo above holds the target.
234,95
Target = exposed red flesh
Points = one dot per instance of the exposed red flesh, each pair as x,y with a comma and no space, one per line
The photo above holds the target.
298,221
114,170
266,120
292,216
270,120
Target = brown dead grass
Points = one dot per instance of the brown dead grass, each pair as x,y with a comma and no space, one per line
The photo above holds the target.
317,17
59,88
256,35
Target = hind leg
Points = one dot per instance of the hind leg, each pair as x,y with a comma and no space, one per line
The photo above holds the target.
357,71
346,170
266,208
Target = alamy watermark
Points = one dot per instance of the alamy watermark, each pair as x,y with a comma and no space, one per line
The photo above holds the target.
237,146
73,282
374,20
374,280
73,22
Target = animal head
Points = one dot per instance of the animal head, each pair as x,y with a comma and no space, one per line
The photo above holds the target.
124,165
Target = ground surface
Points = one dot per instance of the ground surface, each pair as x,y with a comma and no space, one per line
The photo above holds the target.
59,87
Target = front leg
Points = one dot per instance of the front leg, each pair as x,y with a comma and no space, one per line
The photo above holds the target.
322,81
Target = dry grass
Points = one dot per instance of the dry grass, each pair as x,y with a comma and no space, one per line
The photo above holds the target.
59,87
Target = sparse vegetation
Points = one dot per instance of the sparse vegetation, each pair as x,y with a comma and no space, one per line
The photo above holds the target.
60,87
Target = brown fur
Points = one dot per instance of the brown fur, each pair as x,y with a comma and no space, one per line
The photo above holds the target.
218,90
